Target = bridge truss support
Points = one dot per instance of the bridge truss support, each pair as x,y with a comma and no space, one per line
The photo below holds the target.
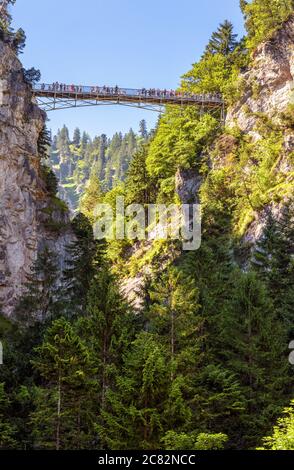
48,104
52,104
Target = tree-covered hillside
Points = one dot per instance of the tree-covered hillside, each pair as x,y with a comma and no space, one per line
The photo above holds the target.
78,159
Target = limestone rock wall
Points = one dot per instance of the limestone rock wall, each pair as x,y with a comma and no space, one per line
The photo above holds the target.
23,195
269,83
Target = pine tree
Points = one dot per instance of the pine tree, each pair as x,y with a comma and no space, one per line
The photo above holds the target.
41,299
19,41
77,137
223,41
173,316
102,154
132,418
252,344
44,142
161,374
141,187
63,416
110,324
85,140
79,269
7,429
50,180
273,260
91,197
143,129
32,76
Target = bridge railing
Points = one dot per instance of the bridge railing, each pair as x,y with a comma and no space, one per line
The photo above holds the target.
117,92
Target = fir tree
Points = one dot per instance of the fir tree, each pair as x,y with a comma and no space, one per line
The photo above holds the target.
108,325
132,418
91,197
141,187
63,406
85,140
143,129
32,76
40,300
44,142
253,345
79,269
76,137
223,41
7,429
273,260
19,40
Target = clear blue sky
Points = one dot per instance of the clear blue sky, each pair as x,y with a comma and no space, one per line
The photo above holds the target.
126,42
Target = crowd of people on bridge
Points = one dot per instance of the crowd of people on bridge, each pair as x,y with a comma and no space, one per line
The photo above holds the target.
62,87
152,92
116,91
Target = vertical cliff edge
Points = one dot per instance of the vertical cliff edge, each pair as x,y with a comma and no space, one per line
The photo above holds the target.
30,217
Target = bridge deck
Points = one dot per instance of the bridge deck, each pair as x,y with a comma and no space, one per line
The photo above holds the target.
68,93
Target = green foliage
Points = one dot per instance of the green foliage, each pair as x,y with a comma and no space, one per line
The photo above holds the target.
76,137
181,138
223,41
254,344
143,129
91,197
50,179
182,441
283,433
80,266
32,76
244,193
16,40
83,163
62,416
19,41
5,17
44,141
288,116
219,67
203,365
264,17
210,75
273,260
40,300
7,430
132,418
161,386
140,185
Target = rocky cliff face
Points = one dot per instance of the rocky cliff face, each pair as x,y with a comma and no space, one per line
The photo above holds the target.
28,217
269,83
269,92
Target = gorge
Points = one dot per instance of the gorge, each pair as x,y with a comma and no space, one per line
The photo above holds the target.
134,344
